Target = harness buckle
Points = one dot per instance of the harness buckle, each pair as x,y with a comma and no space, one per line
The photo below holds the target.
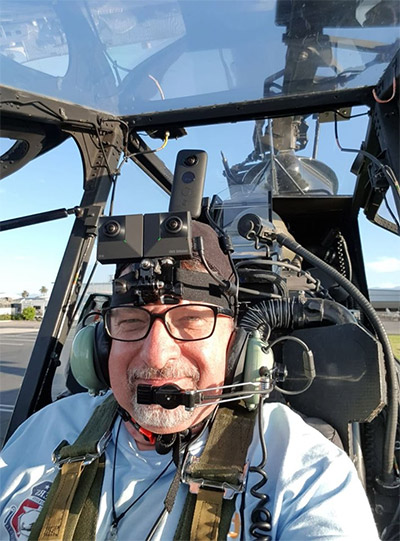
196,481
86,459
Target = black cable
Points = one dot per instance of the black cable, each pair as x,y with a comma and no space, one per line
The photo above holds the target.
81,256
123,125
227,241
308,364
391,373
347,117
391,531
228,287
117,518
84,291
38,105
44,108
267,276
390,211
290,266
180,448
107,165
241,512
200,249
261,520
114,186
168,502
386,170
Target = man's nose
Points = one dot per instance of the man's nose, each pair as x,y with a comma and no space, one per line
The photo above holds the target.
159,347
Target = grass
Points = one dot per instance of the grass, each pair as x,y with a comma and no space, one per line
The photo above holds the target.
395,343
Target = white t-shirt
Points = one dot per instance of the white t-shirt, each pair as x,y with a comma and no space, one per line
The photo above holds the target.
313,488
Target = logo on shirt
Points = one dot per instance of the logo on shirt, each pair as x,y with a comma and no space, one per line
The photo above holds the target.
19,520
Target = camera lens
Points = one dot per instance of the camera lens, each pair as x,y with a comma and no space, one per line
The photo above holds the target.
173,225
112,228
188,177
190,160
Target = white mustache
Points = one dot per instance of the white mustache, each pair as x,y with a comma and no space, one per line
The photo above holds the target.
169,371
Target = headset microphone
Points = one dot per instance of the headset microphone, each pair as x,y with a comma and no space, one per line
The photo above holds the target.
168,396
261,377
171,396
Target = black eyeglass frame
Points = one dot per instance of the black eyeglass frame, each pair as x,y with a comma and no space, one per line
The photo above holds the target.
217,310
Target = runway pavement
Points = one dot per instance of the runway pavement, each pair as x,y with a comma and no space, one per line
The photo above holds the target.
17,339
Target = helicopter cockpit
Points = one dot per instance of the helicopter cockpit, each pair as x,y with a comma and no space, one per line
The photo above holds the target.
295,106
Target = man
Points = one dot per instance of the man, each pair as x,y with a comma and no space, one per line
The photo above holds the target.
181,337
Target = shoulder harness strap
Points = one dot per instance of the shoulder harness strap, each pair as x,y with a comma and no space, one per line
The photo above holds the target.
217,476
71,507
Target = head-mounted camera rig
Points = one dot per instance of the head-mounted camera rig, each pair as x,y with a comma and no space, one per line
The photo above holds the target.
134,237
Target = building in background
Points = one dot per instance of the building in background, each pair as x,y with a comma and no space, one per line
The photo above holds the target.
39,303
387,300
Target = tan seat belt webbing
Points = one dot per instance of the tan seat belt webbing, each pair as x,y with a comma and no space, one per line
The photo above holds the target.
72,502
222,463
207,515
56,518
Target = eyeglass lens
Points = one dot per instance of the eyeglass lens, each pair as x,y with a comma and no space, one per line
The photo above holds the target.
185,322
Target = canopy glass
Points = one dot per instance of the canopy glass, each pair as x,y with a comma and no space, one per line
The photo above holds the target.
146,56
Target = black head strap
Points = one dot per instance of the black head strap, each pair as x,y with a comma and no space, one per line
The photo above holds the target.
185,284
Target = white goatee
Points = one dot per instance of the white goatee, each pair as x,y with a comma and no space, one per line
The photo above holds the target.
155,415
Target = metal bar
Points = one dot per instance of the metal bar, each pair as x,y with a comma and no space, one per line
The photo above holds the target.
35,390
179,115
39,218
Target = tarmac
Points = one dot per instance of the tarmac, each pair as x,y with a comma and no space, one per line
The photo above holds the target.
20,326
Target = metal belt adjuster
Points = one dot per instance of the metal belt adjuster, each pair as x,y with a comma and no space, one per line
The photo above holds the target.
196,483
86,459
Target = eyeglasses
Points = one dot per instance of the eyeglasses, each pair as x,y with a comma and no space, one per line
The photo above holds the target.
184,322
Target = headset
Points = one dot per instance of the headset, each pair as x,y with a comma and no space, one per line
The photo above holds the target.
250,370
89,358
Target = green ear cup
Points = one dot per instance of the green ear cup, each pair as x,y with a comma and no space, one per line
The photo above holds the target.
83,363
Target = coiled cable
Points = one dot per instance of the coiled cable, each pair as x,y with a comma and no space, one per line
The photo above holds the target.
261,519
387,473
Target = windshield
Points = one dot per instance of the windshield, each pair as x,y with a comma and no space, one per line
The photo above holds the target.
156,55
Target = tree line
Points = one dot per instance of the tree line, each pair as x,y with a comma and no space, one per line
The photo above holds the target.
43,290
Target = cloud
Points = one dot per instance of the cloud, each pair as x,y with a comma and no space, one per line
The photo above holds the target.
384,264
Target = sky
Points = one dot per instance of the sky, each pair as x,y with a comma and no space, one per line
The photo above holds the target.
31,255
